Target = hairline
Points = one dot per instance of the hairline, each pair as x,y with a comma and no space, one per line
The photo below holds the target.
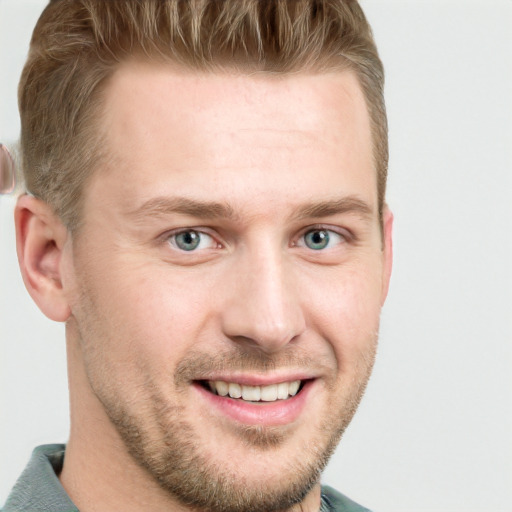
103,159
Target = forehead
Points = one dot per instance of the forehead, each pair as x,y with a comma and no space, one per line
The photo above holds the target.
170,130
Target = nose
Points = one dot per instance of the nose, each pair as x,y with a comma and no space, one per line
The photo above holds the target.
263,309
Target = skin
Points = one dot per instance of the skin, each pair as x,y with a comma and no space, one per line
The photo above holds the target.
146,320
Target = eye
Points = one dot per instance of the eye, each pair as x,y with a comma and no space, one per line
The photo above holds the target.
318,239
192,240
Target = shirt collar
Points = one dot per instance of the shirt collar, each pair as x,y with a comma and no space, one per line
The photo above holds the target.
38,489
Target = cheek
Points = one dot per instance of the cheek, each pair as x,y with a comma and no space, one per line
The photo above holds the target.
345,311
157,311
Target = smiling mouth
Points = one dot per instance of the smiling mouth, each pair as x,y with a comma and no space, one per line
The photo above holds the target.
270,393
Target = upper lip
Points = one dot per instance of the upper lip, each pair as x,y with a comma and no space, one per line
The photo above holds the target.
259,380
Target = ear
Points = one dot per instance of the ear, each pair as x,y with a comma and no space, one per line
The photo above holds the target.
40,241
387,250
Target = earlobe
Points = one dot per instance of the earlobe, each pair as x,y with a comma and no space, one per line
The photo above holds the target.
387,233
40,242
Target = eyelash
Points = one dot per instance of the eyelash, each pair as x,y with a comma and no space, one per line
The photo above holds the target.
169,237
344,234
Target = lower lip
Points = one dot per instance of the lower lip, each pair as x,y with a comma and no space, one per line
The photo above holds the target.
281,412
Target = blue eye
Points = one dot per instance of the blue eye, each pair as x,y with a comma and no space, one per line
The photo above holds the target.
191,240
318,239
188,240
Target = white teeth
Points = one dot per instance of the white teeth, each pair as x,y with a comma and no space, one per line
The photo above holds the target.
294,387
235,391
251,393
222,388
282,390
270,393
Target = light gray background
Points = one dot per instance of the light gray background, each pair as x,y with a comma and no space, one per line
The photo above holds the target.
434,432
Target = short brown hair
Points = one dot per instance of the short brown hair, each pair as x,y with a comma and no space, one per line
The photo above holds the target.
78,44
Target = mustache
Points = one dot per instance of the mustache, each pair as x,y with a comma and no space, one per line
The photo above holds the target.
199,366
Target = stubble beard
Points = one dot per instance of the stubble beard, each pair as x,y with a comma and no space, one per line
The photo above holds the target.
165,445
177,462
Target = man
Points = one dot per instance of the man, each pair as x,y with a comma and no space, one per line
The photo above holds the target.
205,212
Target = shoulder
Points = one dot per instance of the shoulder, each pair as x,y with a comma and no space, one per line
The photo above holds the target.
38,488
334,501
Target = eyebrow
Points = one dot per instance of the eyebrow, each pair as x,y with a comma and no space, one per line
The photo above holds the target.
160,206
349,204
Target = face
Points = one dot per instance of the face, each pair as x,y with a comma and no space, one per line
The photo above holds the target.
228,279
